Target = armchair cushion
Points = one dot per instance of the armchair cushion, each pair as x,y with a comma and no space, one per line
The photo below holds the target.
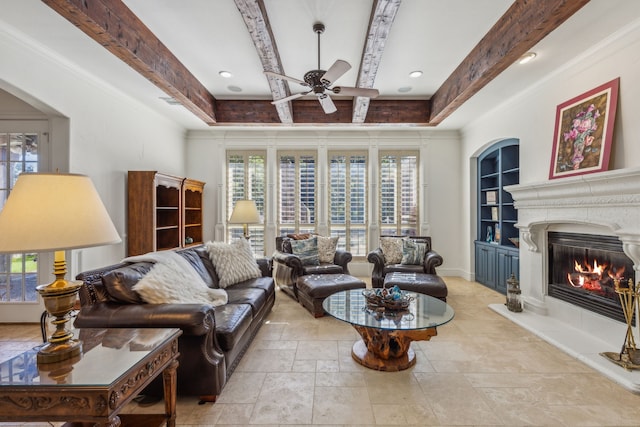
299,236
391,249
306,250
413,252
327,248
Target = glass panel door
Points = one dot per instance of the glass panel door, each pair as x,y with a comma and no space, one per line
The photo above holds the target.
20,147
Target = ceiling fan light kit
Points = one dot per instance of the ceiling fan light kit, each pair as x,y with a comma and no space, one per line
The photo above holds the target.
319,81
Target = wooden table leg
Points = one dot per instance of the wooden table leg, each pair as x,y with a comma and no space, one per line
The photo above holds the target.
388,350
169,376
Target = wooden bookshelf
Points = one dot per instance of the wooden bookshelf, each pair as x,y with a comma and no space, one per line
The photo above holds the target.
162,211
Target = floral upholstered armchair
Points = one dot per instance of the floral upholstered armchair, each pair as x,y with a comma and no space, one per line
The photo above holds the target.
408,254
300,255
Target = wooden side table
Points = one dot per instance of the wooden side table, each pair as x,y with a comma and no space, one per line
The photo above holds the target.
91,390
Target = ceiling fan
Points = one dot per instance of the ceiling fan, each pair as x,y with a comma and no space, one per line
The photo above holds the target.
318,81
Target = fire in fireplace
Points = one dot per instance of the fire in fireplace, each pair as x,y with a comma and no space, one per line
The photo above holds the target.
598,279
582,269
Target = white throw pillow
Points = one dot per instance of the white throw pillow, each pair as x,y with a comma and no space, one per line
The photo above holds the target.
234,262
391,249
327,248
168,283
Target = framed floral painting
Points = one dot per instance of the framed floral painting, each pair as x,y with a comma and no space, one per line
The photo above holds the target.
584,132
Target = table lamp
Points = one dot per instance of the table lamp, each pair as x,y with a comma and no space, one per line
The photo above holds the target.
55,212
245,212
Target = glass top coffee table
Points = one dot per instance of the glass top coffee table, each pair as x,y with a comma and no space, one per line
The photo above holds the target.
387,334
92,388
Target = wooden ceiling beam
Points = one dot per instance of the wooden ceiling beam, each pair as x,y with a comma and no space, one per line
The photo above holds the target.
309,112
383,13
255,18
112,24
523,25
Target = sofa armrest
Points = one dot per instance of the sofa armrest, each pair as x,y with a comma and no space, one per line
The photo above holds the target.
266,266
376,258
290,260
432,260
192,319
343,258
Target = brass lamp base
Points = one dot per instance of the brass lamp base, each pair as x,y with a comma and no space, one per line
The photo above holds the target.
59,299
58,352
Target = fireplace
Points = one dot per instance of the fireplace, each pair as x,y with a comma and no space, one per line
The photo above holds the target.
605,205
582,269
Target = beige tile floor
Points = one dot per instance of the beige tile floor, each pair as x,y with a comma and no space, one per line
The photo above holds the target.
481,370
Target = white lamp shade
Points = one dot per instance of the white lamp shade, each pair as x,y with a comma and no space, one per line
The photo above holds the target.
245,212
52,212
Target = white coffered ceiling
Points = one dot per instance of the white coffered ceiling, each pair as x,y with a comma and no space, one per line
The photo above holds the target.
207,36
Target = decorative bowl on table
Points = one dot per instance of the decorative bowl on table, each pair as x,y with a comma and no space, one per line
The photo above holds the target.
387,299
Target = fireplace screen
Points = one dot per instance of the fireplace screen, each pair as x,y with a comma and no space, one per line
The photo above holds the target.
582,269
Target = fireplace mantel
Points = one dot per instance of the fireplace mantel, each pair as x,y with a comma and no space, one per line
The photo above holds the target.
609,200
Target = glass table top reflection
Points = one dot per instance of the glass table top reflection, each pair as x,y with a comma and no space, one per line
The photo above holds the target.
423,312
106,355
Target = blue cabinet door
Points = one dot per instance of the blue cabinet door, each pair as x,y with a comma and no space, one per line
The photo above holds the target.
486,264
508,263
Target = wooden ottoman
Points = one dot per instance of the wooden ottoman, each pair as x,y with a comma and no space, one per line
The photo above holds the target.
314,288
428,284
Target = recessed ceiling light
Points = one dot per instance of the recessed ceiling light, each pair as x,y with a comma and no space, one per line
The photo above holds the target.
526,57
225,74
405,89
415,74
169,100
234,88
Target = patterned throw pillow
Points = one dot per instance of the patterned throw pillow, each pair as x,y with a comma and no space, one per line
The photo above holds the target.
413,252
391,249
234,262
327,248
306,250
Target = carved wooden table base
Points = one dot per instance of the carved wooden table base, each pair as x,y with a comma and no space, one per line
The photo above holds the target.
47,392
386,349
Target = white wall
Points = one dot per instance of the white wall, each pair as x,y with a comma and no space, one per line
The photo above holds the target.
530,117
439,181
95,130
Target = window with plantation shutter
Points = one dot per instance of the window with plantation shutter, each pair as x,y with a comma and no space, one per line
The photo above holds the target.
297,192
398,193
348,200
246,179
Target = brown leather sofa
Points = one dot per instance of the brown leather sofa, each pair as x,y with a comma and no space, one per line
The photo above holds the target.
213,339
288,267
431,260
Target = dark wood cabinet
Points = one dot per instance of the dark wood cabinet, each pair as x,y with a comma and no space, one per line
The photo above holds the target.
496,254
164,212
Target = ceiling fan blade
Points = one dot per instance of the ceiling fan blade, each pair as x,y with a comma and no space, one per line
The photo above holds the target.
280,76
355,91
327,104
335,71
289,98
